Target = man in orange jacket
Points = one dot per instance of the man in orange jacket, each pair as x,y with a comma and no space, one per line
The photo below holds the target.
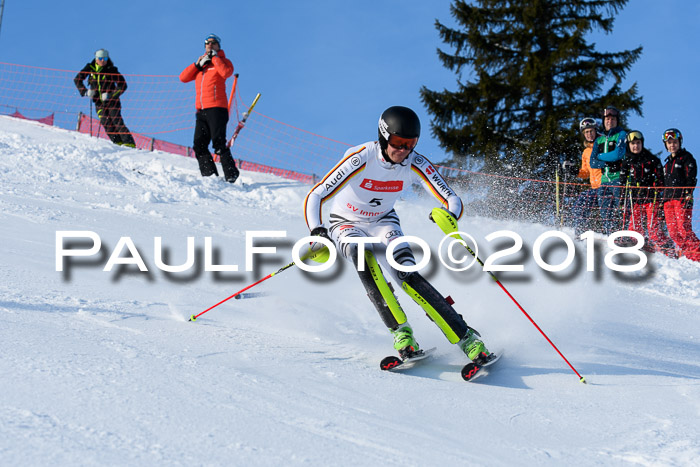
209,73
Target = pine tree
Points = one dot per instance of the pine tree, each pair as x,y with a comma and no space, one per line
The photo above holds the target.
532,75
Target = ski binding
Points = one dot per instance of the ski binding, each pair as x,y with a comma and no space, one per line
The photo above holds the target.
394,363
476,369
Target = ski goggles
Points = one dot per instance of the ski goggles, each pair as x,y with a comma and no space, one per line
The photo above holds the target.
672,134
610,112
587,123
635,136
398,142
211,42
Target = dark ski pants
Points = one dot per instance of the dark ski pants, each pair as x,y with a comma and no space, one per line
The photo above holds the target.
609,197
211,126
421,291
582,211
110,114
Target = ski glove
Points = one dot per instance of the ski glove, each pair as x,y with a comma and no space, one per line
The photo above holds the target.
90,93
212,53
106,96
320,232
204,59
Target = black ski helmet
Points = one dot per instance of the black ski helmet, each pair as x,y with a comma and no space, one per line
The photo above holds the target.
635,135
673,133
399,121
610,110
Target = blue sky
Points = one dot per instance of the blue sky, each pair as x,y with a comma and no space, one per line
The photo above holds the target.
331,67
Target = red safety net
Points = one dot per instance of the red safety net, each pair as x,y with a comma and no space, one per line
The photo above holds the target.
159,111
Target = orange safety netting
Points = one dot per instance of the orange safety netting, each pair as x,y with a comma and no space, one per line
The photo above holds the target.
160,113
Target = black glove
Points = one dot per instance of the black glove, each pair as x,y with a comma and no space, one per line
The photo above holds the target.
320,232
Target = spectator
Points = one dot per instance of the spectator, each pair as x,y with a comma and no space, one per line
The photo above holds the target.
209,73
643,176
680,178
363,187
105,87
607,154
583,206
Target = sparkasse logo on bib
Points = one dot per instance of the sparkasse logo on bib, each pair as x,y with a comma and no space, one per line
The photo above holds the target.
376,185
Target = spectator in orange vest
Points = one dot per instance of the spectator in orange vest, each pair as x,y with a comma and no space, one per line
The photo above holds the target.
587,200
209,72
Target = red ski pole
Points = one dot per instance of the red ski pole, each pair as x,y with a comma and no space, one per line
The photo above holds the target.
310,254
448,225
194,317
233,92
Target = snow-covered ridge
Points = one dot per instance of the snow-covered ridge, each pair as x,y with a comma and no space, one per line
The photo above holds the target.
103,368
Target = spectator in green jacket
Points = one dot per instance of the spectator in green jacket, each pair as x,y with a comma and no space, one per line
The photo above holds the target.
105,87
608,151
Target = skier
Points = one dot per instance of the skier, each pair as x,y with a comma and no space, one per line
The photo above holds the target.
586,200
209,73
643,174
105,86
680,178
364,186
608,151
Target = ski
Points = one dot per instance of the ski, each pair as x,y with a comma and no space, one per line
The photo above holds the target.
394,363
476,369
241,124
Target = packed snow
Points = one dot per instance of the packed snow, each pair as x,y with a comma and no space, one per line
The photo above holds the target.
103,367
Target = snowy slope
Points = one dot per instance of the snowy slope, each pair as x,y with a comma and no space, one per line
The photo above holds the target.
104,368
